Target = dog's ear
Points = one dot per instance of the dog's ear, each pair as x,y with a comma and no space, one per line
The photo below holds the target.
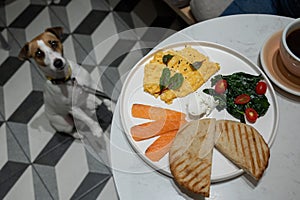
24,53
57,31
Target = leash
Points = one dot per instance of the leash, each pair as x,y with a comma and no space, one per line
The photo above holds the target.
85,88
93,91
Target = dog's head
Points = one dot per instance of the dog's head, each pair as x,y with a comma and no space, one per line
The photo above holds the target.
46,49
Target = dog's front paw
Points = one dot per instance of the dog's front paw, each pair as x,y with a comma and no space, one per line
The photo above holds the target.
107,103
97,130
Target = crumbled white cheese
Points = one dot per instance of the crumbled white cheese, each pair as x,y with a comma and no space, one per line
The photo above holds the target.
201,104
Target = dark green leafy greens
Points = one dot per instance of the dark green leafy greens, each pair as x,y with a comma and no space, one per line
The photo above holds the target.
239,83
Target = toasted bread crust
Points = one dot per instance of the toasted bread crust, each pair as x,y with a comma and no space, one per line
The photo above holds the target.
244,146
191,156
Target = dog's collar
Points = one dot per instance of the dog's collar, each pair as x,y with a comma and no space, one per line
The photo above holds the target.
57,81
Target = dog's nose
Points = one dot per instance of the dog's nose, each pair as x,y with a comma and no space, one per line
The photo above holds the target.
58,63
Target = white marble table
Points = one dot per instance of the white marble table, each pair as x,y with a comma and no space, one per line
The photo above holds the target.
245,33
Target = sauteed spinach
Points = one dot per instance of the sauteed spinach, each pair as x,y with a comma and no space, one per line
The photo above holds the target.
237,84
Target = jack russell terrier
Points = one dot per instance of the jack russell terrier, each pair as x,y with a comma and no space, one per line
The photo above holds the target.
67,104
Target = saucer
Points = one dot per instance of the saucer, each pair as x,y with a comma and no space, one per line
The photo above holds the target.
274,67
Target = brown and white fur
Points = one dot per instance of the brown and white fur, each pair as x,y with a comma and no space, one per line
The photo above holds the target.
65,104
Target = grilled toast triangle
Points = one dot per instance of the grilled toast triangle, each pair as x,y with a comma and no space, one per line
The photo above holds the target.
243,145
190,155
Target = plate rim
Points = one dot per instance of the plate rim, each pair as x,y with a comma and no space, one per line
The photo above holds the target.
251,64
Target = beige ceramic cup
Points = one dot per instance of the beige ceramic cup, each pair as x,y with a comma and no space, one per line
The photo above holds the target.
289,59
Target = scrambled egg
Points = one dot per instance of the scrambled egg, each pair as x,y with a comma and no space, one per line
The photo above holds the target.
181,62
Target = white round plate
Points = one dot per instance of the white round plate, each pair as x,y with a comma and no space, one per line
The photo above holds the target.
230,62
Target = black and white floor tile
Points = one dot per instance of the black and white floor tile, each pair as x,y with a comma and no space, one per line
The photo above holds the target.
107,37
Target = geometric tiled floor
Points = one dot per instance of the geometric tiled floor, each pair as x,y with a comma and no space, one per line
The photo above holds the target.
107,37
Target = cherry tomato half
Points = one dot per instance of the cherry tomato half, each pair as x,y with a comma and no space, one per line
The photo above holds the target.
251,115
242,99
221,86
261,88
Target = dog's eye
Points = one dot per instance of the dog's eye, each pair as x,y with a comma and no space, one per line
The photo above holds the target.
54,44
39,54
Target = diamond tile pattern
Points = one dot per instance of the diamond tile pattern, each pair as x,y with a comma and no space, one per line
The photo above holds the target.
107,38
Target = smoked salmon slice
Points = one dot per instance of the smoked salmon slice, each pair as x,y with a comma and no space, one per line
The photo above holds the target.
154,128
155,113
161,146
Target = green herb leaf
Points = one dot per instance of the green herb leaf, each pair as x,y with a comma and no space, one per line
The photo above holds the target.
167,58
175,81
165,78
168,82
197,65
